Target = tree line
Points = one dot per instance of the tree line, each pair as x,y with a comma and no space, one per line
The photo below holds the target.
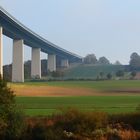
134,66
92,59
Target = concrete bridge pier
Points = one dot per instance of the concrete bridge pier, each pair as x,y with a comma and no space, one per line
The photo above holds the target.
51,62
36,63
64,63
1,51
18,61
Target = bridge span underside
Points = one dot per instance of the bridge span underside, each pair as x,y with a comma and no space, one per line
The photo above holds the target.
21,35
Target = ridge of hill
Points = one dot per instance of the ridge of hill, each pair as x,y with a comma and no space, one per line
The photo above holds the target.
84,71
75,71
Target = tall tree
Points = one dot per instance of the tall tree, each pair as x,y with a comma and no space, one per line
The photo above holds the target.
90,59
10,118
134,60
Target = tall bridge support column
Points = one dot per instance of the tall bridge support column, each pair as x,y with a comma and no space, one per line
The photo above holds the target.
51,62
18,61
1,51
36,63
64,63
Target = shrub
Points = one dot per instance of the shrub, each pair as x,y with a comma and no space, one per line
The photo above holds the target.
10,117
73,124
81,122
120,73
129,119
109,76
38,132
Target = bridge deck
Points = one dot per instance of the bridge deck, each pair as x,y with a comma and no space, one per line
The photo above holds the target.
16,30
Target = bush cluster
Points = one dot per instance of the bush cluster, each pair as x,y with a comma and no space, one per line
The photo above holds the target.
75,125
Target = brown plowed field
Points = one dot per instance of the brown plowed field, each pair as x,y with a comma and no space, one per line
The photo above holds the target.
51,91
36,91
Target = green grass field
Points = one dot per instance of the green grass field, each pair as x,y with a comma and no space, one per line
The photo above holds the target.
49,105
111,104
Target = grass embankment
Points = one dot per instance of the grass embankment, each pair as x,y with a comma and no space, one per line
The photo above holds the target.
124,97
91,71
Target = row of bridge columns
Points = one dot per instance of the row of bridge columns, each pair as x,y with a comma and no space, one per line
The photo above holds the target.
18,60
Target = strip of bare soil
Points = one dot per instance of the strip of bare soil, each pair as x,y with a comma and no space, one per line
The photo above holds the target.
23,90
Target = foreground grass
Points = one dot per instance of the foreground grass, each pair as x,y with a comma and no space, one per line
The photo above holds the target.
49,105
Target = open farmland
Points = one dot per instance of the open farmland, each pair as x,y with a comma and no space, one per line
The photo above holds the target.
47,98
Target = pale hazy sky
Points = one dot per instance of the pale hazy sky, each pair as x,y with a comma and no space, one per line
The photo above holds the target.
108,28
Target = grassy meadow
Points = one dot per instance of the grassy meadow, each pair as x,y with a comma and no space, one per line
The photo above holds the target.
49,105
124,97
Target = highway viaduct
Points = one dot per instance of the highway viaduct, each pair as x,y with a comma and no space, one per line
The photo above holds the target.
21,35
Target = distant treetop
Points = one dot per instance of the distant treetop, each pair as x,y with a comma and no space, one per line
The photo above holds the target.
90,59
134,60
117,63
103,61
